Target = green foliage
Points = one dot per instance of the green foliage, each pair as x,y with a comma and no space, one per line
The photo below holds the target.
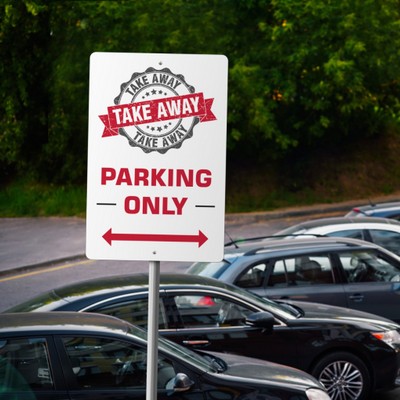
336,66
23,70
303,73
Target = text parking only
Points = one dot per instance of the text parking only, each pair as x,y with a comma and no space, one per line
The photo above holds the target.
156,157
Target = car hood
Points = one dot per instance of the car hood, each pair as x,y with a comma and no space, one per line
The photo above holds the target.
252,368
317,311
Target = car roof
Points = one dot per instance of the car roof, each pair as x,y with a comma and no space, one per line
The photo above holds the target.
97,289
274,245
339,221
57,322
378,206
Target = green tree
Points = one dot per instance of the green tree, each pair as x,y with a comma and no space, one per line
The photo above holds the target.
23,75
331,69
323,74
79,28
303,73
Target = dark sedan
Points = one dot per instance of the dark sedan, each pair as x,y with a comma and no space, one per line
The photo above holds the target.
350,352
71,356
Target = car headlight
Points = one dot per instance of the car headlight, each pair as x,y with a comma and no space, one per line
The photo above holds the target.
391,338
317,394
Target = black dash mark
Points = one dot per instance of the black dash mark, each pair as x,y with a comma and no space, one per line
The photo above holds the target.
204,206
106,204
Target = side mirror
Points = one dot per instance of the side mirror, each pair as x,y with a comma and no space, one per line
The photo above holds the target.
181,383
262,319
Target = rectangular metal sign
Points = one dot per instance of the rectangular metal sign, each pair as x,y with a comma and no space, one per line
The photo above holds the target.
156,157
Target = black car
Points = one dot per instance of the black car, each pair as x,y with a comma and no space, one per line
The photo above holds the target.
70,356
350,352
337,271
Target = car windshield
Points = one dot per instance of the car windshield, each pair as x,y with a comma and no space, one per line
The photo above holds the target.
215,269
210,270
203,362
281,310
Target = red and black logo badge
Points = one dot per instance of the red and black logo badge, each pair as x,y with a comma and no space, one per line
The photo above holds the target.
156,110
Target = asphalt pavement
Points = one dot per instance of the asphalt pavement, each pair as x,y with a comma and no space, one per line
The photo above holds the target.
27,243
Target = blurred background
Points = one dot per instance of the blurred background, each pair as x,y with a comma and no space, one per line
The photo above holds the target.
314,107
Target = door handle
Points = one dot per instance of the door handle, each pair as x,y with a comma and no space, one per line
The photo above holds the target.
357,297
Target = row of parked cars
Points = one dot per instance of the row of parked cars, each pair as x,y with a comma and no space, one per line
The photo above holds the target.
301,315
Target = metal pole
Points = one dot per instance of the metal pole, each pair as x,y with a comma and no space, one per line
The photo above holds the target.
152,330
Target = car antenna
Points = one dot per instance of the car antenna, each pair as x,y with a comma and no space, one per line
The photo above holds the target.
232,241
371,203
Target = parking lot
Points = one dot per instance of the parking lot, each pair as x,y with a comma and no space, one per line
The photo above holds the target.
64,261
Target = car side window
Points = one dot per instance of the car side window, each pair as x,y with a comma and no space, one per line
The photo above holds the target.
253,277
25,365
103,363
301,271
388,239
363,266
350,233
134,311
200,311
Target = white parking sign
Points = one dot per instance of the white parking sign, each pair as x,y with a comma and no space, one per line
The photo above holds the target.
156,158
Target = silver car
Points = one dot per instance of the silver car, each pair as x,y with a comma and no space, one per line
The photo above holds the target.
383,231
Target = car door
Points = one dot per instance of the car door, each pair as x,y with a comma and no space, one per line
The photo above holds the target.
215,322
311,277
373,283
29,369
108,368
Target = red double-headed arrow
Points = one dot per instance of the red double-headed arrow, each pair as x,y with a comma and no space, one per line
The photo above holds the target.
109,237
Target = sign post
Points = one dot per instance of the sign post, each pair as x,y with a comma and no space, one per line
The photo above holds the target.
156,163
152,333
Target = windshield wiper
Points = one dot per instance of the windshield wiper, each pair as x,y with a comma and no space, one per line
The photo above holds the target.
217,364
297,310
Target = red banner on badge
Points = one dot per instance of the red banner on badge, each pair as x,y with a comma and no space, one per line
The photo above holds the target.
150,111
